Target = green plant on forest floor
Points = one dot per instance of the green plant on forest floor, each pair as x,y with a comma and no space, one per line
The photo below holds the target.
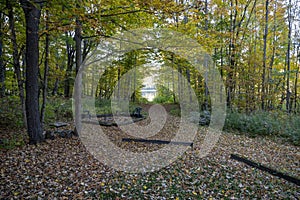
11,143
266,124
11,112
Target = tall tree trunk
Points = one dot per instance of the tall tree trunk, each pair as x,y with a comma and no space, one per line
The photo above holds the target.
188,75
173,79
206,64
288,61
296,79
119,77
55,88
263,85
179,81
2,66
70,62
134,77
32,10
229,78
16,61
274,44
46,70
78,83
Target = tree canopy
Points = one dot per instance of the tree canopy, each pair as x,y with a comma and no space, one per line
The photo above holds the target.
254,44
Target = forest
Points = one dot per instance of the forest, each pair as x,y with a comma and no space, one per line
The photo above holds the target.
253,44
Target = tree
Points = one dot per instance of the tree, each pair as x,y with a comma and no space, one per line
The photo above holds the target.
32,11
288,60
2,66
46,70
263,86
78,87
16,58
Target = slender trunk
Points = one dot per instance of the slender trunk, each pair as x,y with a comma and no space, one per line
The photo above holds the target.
32,12
128,85
2,67
179,82
16,61
229,78
296,79
222,74
87,45
188,75
55,88
274,43
78,83
46,70
206,65
70,62
288,92
173,79
134,78
93,83
119,77
263,85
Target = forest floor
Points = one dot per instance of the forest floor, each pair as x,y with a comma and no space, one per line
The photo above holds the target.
63,168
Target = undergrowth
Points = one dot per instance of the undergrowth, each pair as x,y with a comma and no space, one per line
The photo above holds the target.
271,124
275,124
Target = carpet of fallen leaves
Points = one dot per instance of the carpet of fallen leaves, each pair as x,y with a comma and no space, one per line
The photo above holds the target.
64,169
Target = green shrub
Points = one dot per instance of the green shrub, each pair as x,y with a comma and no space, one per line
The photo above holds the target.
15,141
58,109
292,130
143,100
175,110
258,123
103,106
163,99
11,112
277,124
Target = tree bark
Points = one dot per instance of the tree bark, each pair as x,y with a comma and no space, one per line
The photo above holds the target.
288,61
134,76
70,62
173,79
78,83
188,75
274,45
206,67
55,88
2,67
16,57
231,53
296,79
46,71
32,11
263,85
179,81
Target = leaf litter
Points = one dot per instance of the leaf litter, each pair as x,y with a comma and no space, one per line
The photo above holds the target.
64,169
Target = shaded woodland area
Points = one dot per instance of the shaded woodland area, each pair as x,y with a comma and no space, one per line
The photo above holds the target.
255,45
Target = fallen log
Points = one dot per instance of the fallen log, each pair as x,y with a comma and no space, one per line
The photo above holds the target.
266,169
157,141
